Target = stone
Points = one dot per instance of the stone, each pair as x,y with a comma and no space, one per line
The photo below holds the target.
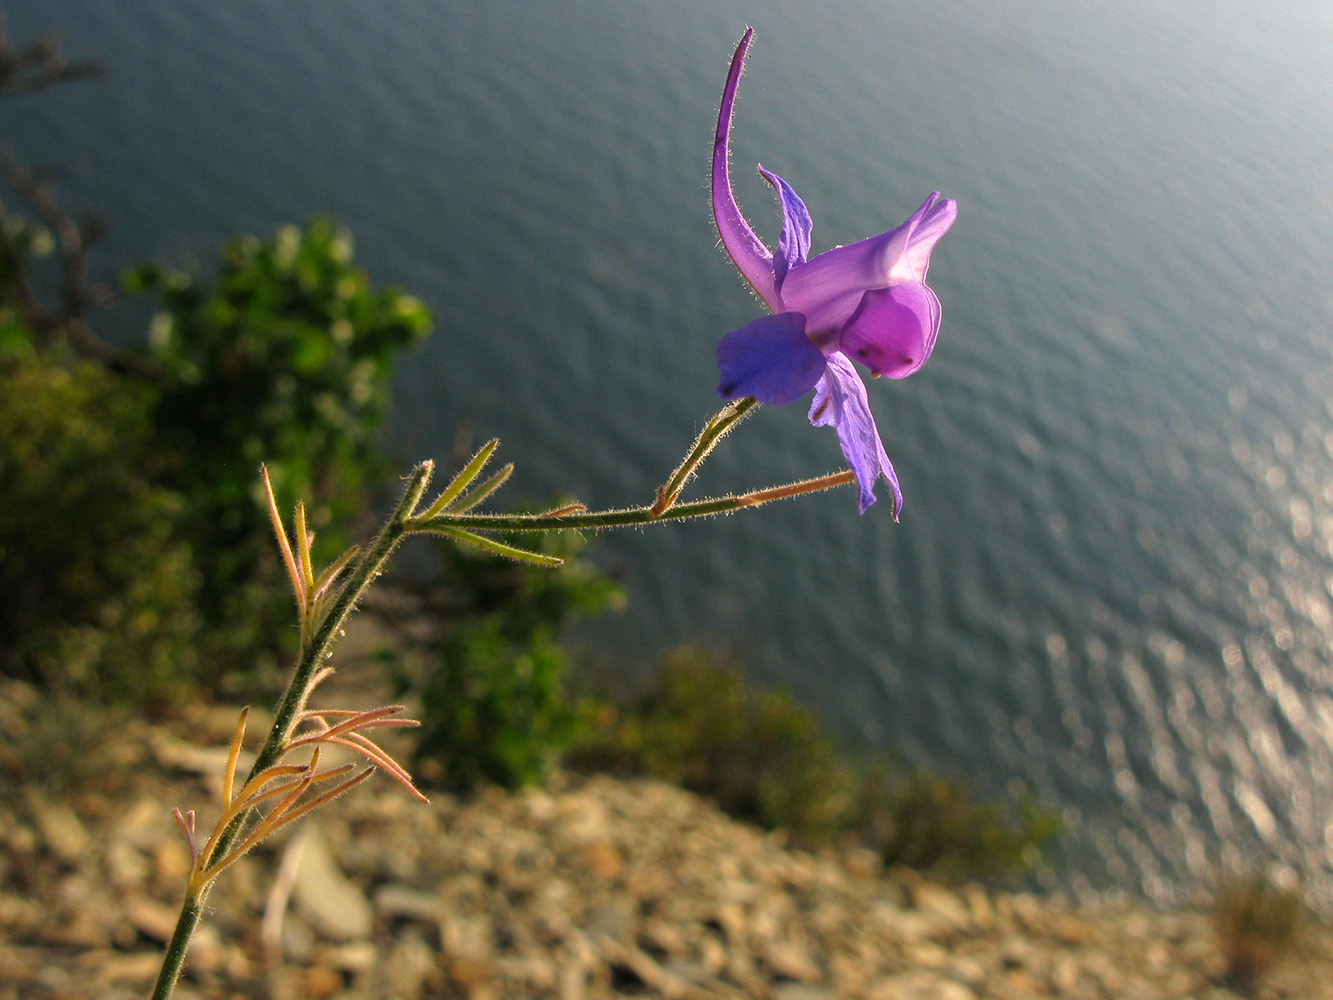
916,985
154,920
914,927
320,982
145,824
355,957
979,906
611,921
593,888
61,831
468,937
297,940
942,903
801,991
603,860
171,863
126,865
408,965
332,905
864,863
790,960
472,978
136,967
397,901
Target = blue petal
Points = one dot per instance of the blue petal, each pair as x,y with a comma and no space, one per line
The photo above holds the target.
794,244
770,359
840,400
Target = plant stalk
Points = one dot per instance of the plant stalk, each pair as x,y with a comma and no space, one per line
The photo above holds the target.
369,564
630,516
364,570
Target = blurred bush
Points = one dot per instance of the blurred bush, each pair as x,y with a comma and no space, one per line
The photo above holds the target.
495,706
934,822
767,760
284,359
1258,920
135,553
758,754
99,584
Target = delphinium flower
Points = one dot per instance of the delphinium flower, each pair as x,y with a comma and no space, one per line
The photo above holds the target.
866,301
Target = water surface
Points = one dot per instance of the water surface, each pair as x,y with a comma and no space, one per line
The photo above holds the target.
1113,574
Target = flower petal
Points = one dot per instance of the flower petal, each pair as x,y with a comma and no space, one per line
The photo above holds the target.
840,400
924,229
770,359
794,244
893,330
747,251
828,288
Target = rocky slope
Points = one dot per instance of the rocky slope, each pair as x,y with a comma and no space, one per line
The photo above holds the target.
595,888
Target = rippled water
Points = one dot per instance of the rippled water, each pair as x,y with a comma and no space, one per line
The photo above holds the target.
1114,574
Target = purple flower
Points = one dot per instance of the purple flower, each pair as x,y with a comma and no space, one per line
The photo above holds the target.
866,301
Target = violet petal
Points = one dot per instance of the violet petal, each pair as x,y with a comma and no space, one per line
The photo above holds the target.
747,250
770,359
794,244
924,229
840,400
828,287
893,330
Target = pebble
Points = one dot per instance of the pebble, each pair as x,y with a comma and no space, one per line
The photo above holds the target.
331,904
61,831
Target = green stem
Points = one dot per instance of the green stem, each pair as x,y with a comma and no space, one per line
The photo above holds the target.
174,957
714,431
625,518
402,522
364,571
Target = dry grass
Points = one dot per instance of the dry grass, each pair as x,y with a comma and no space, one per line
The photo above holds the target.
1258,918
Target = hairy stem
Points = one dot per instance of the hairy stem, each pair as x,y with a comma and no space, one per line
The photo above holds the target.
714,431
368,564
364,570
623,518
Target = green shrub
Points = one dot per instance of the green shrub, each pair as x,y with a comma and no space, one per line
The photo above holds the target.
99,584
284,359
1258,922
495,709
766,760
758,754
135,552
932,822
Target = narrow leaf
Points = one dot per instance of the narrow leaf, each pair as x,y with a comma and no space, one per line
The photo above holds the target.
479,494
331,573
233,755
283,543
502,549
464,479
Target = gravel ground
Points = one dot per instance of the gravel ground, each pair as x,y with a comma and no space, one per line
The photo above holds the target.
592,888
